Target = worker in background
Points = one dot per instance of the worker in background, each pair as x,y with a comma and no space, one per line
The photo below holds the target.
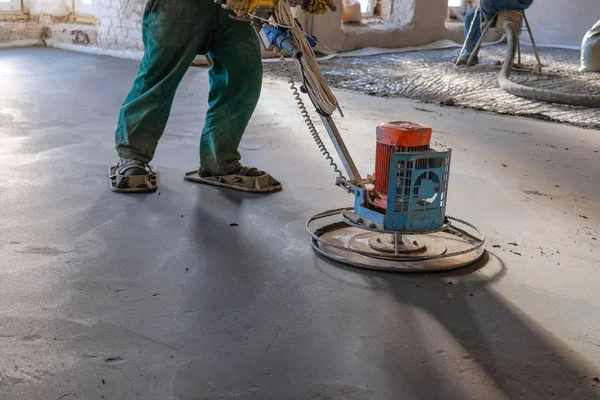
484,12
174,32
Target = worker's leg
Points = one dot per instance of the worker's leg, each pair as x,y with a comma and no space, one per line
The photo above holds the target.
472,29
491,7
173,33
519,4
235,84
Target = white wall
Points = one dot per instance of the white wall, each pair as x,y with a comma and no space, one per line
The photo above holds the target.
119,24
560,22
50,7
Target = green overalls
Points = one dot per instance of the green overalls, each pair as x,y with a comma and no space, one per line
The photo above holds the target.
174,32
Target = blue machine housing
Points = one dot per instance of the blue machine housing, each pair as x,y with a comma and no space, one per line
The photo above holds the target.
417,193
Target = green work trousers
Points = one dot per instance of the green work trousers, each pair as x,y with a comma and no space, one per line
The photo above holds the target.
174,32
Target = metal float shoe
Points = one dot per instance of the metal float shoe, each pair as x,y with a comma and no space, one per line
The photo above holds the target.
246,180
131,176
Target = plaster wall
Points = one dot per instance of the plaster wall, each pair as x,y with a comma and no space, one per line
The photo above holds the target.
407,23
119,25
410,23
559,22
48,7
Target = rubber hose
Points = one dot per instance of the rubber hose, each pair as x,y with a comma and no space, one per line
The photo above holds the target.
533,93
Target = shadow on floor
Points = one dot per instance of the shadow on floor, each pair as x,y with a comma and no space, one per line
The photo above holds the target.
520,358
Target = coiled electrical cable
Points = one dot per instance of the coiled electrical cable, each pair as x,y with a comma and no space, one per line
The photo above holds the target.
307,119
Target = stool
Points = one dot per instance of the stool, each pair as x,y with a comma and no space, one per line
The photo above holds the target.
516,17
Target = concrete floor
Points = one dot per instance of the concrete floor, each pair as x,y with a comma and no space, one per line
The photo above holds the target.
106,296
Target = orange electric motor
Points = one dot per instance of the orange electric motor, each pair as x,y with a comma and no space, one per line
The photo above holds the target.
397,136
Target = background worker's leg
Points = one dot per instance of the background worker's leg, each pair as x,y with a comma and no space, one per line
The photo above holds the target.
472,34
486,11
173,32
235,84
491,7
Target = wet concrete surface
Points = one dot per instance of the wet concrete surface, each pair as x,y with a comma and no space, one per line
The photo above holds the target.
199,293
431,77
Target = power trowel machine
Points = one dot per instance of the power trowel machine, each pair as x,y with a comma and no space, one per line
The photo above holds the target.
398,221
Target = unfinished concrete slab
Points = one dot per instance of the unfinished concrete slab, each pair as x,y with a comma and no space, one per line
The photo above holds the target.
199,293
432,77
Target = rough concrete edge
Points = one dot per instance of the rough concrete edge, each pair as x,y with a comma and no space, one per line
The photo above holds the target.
123,54
135,55
22,43
552,46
